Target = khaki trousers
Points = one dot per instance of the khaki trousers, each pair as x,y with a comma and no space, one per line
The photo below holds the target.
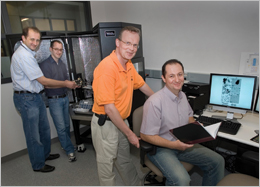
112,147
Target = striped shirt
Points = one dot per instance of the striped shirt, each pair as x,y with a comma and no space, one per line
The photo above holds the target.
25,70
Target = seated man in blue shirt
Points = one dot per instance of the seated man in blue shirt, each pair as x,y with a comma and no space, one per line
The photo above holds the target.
168,109
54,68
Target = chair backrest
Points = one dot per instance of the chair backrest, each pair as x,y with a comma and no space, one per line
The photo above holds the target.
137,120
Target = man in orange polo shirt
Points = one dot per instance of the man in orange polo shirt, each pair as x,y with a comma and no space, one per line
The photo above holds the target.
115,78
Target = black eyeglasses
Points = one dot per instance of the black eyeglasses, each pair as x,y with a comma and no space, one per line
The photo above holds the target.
56,49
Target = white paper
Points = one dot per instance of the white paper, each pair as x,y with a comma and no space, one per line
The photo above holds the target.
213,129
249,64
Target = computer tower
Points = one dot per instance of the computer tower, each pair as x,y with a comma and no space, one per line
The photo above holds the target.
108,32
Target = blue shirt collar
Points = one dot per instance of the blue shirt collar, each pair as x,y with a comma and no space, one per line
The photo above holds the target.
29,50
53,61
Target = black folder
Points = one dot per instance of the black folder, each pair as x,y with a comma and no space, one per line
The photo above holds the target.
195,132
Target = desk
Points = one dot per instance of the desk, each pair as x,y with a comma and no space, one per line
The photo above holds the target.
246,151
80,138
249,123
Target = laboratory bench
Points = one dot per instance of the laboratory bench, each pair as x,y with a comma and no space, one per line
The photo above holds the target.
77,119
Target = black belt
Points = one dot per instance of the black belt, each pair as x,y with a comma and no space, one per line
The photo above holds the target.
97,115
24,91
57,96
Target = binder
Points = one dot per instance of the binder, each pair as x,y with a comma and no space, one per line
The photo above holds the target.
195,132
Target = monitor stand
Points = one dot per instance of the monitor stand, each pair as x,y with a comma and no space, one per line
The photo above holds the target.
229,117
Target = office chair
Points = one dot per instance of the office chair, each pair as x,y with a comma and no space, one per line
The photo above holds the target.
145,148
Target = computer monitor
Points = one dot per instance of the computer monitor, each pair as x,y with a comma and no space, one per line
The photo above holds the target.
256,107
231,93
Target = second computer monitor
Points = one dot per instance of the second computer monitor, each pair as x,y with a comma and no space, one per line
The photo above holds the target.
256,107
232,93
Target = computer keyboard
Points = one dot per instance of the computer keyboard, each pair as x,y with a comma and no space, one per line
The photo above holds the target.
228,127
208,120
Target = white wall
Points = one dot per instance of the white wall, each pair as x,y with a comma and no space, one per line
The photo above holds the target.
205,36
12,138
12,135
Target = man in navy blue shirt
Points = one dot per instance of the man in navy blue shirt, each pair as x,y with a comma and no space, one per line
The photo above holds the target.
54,68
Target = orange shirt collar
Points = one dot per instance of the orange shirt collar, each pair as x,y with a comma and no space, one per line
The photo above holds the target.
118,64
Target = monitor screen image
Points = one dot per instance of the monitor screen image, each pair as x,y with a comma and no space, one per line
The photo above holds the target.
256,108
232,93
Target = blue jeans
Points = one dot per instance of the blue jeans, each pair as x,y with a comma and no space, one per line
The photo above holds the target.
168,161
36,127
59,110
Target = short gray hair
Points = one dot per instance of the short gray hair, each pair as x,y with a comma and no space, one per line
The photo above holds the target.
131,29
